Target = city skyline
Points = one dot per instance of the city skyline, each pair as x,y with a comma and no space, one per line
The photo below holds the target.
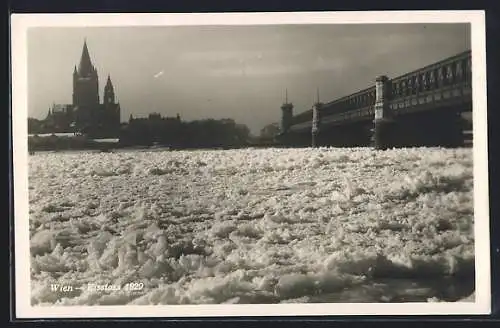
238,72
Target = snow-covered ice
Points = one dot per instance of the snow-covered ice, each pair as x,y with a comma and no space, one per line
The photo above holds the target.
252,226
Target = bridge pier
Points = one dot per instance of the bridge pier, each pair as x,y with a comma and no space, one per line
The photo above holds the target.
383,122
316,121
285,139
314,140
383,135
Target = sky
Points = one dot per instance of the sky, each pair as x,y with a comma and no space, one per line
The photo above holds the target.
238,72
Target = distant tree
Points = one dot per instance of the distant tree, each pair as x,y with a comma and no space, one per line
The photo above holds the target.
34,126
243,134
270,131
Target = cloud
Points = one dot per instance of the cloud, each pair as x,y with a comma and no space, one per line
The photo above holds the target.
216,56
327,64
257,70
256,55
263,69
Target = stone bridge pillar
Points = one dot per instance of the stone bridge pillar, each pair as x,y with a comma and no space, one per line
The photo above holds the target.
286,117
383,119
286,122
316,121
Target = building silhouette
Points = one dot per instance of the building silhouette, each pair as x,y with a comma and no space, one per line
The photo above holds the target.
87,114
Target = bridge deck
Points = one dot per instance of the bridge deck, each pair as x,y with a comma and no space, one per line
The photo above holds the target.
440,85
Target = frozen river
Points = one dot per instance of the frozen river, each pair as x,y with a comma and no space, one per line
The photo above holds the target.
251,226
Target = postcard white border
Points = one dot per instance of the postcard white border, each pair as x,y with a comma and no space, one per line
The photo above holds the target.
19,27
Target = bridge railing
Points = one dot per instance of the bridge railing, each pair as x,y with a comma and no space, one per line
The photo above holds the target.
361,99
302,117
364,99
449,72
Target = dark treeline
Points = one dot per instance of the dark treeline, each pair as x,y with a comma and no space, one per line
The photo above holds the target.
172,132
156,130
36,126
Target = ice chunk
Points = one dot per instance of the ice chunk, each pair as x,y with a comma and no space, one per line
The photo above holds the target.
43,242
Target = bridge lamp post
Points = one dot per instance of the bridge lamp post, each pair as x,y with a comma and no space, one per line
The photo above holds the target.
383,118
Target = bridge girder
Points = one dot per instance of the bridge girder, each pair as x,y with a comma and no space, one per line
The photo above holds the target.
431,93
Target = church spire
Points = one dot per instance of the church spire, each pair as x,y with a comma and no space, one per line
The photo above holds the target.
109,92
85,68
109,84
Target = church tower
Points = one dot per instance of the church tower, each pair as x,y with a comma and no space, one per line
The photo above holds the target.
86,114
111,115
109,93
85,87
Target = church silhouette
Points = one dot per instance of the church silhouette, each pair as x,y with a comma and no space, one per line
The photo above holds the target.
87,115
